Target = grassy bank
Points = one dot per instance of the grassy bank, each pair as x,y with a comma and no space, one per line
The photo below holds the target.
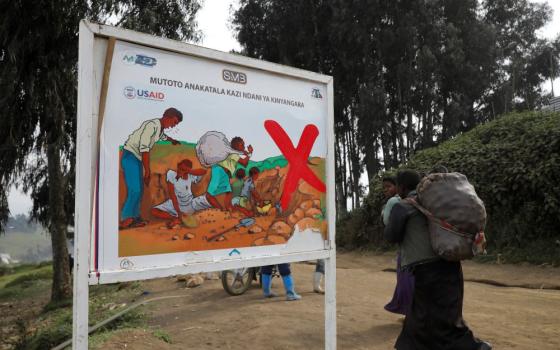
38,324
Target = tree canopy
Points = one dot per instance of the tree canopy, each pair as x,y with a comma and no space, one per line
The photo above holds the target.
408,74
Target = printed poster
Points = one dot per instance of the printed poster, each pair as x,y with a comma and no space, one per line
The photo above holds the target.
202,161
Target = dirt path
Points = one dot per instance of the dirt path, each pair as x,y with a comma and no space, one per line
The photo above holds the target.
206,318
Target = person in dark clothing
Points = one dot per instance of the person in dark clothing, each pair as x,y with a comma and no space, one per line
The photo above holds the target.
435,320
402,297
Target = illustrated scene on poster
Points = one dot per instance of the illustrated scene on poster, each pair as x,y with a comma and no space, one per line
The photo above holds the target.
178,195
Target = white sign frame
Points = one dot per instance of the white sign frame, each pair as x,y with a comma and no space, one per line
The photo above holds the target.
89,92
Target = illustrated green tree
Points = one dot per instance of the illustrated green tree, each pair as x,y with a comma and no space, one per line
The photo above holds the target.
38,72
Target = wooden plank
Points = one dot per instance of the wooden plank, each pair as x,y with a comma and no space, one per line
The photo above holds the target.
105,86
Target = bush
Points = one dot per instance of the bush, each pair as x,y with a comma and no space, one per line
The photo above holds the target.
514,164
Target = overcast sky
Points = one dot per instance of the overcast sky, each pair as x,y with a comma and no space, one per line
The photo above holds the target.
213,21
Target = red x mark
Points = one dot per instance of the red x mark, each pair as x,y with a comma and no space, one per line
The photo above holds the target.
297,158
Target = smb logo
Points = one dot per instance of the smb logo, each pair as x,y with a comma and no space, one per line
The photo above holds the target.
132,93
315,93
234,77
131,58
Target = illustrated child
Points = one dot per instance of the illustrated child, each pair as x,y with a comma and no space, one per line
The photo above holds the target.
249,190
223,171
181,200
238,202
237,185
135,163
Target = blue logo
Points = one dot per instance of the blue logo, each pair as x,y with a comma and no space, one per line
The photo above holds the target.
132,93
131,58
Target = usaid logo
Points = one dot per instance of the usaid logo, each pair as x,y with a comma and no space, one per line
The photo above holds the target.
234,77
142,94
130,58
129,92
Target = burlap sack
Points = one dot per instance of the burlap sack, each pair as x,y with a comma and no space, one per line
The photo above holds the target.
456,215
450,197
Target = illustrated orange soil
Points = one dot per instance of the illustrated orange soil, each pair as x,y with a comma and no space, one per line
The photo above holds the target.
156,238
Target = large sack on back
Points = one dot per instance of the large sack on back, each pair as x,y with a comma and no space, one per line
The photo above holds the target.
457,215
212,148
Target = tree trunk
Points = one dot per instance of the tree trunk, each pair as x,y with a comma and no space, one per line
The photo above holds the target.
356,169
61,287
350,148
339,176
344,167
409,126
371,160
386,148
394,141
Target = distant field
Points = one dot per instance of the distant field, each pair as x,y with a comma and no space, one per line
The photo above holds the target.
26,247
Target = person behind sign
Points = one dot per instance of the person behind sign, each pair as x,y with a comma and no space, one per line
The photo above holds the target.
286,273
222,172
318,276
435,320
181,200
135,162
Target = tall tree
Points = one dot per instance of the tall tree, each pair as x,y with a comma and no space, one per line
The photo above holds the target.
408,74
38,70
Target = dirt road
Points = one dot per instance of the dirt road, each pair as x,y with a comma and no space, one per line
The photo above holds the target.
206,318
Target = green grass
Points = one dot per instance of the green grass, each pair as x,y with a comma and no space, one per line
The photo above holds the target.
23,276
54,324
162,335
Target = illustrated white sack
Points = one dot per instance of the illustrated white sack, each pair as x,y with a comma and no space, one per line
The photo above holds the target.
212,148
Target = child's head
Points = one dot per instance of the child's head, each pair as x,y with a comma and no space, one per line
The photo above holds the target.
238,144
183,168
389,186
254,172
407,180
240,174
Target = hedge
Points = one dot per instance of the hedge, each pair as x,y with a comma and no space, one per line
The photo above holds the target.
514,164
